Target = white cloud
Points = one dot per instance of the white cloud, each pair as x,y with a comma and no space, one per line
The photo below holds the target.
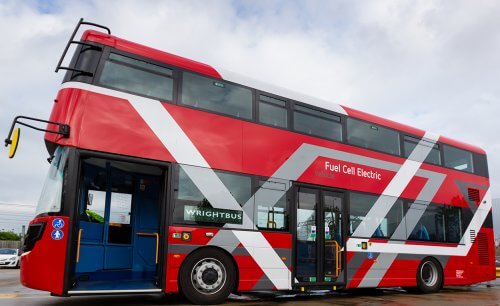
433,65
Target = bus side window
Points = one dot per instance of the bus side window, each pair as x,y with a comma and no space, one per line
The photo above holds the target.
431,225
453,220
458,159
95,206
94,197
314,122
433,157
271,207
480,164
272,111
370,136
205,206
422,232
217,96
362,203
135,76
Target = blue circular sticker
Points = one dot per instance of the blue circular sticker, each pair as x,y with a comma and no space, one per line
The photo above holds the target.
57,234
58,223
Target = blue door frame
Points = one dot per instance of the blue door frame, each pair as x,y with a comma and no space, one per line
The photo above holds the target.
118,241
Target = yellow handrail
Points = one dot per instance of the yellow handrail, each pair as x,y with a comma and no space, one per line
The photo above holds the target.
157,236
338,257
78,245
270,221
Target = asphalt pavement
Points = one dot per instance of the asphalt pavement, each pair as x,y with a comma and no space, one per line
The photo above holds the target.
13,293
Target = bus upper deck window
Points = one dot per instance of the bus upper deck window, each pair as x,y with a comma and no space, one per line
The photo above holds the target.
131,75
457,159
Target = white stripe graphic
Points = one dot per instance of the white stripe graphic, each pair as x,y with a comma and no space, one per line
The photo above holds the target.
460,250
263,253
178,144
394,188
392,192
183,150
377,271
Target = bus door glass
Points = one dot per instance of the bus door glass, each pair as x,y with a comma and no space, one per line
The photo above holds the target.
333,235
320,236
306,235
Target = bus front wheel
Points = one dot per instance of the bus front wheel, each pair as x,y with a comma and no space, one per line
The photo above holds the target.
207,277
429,276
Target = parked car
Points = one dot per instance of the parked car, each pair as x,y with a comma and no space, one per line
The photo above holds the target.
10,258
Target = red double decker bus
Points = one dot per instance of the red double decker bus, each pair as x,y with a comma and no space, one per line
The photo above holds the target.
168,175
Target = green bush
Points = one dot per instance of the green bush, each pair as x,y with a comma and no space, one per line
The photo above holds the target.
9,236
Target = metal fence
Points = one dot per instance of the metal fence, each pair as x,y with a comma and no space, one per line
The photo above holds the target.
8,244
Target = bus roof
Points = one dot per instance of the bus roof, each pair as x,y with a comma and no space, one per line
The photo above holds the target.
184,63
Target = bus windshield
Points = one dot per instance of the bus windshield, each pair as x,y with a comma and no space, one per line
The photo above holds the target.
50,199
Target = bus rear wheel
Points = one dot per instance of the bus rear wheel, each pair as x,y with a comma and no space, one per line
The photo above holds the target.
429,276
207,277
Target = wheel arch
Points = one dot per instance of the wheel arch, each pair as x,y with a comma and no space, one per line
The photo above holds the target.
220,249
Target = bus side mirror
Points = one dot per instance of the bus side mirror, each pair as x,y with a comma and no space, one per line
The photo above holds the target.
13,142
13,137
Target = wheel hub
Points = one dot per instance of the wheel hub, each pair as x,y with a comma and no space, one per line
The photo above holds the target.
208,276
429,273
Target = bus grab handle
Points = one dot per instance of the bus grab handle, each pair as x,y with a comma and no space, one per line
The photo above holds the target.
157,241
78,245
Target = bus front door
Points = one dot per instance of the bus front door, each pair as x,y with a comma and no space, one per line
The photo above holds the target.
119,237
319,237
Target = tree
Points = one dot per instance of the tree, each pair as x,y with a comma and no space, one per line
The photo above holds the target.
9,236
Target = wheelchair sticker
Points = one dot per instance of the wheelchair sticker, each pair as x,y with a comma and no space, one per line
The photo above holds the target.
58,223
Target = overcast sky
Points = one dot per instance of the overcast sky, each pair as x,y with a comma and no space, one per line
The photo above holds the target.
431,64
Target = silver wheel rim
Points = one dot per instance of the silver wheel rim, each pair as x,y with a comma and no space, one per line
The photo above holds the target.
429,273
208,276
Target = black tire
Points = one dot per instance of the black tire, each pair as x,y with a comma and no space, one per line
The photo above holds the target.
429,276
207,277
